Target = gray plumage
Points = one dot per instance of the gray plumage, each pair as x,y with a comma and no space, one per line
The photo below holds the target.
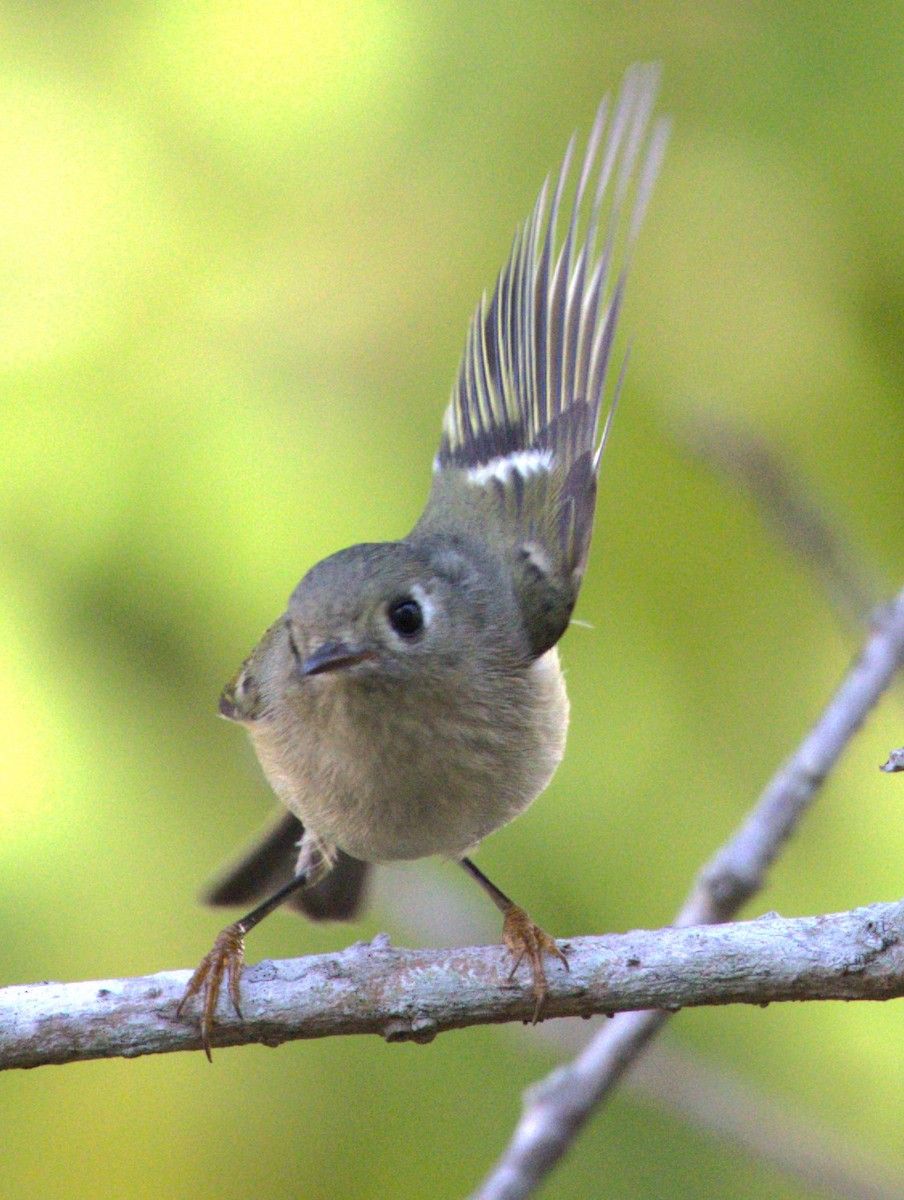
410,700
525,409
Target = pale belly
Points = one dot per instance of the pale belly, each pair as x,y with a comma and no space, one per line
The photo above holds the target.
389,784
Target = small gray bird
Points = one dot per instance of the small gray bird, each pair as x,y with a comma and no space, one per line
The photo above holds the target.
410,700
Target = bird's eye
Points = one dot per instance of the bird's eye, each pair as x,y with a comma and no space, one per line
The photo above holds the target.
406,617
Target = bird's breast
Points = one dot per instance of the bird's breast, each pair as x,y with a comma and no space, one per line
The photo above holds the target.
401,772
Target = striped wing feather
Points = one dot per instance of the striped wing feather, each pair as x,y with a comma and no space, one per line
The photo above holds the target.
538,354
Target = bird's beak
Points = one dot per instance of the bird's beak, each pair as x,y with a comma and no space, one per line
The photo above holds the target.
335,656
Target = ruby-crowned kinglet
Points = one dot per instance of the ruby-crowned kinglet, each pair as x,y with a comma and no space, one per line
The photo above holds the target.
410,700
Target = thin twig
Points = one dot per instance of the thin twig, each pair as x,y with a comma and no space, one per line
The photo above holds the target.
556,1110
412,995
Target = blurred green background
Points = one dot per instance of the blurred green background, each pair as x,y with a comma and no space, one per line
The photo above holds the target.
239,247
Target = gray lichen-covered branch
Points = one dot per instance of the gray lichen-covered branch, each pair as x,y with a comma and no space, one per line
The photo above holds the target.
406,995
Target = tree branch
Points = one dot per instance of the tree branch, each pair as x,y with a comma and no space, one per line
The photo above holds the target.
556,1109
406,995
895,761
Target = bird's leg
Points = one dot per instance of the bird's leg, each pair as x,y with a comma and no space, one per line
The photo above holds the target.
523,937
226,959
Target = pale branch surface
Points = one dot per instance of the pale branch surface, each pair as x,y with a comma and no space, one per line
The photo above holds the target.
556,1109
406,995
895,761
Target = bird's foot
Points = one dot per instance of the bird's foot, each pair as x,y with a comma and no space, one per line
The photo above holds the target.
525,939
225,960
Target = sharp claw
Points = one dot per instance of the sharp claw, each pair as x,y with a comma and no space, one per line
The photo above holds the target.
205,1037
560,955
518,961
525,939
539,1006
194,984
235,966
226,958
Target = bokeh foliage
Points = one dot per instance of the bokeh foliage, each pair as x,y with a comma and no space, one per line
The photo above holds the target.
239,246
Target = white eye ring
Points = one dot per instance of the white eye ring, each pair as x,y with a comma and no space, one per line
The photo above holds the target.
410,614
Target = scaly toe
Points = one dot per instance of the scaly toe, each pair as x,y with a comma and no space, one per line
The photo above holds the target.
525,939
225,960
